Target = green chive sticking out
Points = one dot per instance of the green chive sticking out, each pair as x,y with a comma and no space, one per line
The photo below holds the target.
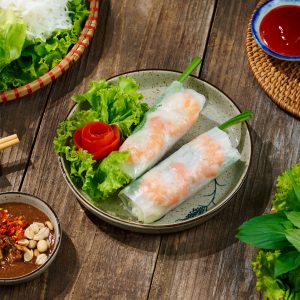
237,119
191,67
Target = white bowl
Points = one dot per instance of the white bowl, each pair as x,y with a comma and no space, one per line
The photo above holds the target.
19,197
258,16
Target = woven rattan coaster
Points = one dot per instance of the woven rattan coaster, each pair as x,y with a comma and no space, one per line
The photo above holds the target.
279,79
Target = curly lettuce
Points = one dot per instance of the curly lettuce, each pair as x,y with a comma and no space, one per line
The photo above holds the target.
113,104
38,57
119,105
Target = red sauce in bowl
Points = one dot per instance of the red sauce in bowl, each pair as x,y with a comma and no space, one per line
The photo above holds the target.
280,30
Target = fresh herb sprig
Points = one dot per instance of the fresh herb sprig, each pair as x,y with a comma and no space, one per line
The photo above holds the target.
277,265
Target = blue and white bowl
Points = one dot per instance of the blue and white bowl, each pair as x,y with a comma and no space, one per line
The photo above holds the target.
259,14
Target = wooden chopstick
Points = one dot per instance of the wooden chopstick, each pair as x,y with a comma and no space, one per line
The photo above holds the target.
9,141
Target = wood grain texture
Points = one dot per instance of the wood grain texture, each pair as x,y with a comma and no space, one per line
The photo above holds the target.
207,262
98,261
23,118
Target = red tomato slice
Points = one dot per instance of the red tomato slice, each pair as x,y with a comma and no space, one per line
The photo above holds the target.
104,151
96,135
98,139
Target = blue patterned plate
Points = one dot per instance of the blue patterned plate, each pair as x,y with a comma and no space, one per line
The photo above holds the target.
215,195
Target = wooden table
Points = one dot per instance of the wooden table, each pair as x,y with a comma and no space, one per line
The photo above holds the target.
98,261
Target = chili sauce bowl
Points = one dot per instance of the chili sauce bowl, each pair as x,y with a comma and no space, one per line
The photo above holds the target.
19,197
257,19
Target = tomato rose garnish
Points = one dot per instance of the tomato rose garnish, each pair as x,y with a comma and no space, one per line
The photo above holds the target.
97,138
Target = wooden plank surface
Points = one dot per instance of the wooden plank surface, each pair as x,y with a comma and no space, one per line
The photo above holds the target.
97,260
22,117
207,262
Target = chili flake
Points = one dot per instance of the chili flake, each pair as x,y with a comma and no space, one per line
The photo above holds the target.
12,226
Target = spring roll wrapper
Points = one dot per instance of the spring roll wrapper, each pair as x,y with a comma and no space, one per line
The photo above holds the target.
175,113
179,176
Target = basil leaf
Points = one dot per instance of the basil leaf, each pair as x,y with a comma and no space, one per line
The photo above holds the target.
286,262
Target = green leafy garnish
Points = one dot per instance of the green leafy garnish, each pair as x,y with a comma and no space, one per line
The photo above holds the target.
38,57
113,104
263,266
12,37
285,198
286,262
278,271
119,105
266,232
293,236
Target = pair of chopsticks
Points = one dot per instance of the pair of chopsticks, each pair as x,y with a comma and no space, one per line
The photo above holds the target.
9,141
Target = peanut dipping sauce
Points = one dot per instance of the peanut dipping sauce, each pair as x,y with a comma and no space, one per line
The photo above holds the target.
16,266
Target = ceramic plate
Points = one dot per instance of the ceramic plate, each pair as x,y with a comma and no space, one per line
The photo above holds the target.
215,195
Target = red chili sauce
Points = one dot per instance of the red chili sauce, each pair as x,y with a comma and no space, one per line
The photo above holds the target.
280,30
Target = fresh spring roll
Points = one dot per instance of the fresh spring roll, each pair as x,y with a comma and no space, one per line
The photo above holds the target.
179,176
164,124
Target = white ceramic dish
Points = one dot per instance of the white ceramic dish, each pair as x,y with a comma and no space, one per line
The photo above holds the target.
258,16
19,197
215,195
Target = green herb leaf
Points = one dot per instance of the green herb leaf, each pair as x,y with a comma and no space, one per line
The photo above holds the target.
263,266
266,232
285,198
286,262
293,236
294,217
294,280
296,186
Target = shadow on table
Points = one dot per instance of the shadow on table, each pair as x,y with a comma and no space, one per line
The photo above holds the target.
10,168
145,242
63,271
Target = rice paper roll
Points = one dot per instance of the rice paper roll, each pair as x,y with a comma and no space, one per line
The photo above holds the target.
163,125
179,176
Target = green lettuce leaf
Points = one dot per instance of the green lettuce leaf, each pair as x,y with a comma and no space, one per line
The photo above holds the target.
64,139
98,179
108,177
116,104
12,37
38,57
81,165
